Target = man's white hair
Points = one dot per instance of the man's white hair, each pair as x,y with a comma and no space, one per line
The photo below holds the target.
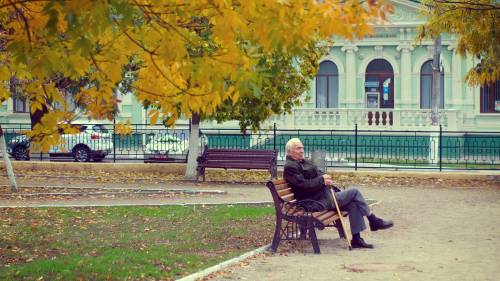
291,144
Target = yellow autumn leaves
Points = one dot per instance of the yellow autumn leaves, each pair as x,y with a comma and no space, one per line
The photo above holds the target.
194,55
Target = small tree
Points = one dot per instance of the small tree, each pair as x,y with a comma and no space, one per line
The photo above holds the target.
476,25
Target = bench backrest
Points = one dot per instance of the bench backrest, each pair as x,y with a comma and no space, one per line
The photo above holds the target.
281,193
238,158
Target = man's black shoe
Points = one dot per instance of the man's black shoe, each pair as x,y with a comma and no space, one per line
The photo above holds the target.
360,243
379,223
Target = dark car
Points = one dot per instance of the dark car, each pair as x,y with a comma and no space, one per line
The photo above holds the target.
19,148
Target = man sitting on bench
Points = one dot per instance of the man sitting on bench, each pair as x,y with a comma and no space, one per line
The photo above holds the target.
308,182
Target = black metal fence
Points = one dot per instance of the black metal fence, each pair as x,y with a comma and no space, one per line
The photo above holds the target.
356,149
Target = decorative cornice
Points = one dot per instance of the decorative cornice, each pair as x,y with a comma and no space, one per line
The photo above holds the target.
349,48
405,47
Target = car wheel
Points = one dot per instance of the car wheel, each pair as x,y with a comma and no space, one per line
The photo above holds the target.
21,153
81,154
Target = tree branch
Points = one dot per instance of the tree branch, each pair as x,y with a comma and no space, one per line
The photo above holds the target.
26,24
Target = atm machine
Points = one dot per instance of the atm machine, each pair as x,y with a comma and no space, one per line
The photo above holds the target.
372,94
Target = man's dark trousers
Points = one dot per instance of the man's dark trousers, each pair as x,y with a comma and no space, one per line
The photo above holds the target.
352,201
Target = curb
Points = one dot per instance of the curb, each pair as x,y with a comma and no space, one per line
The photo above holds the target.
132,204
222,265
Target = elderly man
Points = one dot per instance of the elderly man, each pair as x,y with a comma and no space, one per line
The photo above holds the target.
308,182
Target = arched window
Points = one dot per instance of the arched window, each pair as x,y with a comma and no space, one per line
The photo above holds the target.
490,97
426,87
379,84
327,85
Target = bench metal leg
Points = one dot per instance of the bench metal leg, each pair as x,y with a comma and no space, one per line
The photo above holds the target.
277,236
314,240
340,229
201,172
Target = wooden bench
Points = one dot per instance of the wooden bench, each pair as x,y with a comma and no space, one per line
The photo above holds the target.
237,159
293,219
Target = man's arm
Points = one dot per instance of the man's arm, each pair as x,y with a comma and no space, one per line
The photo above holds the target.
296,179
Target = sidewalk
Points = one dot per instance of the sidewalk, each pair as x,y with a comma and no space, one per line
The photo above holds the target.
439,234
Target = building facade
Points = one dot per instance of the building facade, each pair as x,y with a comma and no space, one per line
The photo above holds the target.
381,82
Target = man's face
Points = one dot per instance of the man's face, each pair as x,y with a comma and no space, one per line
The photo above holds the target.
297,151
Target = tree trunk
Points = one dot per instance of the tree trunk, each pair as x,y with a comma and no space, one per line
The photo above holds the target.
436,82
8,164
36,116
194,146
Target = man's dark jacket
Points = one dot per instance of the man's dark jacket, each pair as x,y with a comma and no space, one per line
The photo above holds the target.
307,181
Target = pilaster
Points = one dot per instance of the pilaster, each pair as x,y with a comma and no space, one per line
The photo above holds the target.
350,97
406,83
456,98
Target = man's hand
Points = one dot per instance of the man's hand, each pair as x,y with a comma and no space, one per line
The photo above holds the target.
328,180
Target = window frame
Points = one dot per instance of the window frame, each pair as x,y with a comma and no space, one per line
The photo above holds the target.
491,99
442,103
24,108
327,76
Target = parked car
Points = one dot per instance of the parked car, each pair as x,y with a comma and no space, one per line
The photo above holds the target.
167,148
19,148
93,142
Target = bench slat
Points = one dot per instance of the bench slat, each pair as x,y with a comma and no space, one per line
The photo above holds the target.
288,197
281,186
283,192
279,182
327,215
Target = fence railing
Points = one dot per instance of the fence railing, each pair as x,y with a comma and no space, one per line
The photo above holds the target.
356,149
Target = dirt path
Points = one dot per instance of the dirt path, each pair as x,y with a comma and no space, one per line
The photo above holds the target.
439,234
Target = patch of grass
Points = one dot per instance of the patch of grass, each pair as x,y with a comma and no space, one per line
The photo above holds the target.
132,243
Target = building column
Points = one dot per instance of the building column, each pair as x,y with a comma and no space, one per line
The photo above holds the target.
406,99
350,76
456,98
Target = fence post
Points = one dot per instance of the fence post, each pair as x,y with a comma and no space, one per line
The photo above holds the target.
114,143
440,147
274,138
356,147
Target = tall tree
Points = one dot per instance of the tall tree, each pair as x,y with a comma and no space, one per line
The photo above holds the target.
195,55
6,160
476,25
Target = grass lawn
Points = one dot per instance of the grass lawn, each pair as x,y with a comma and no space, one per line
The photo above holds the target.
126,243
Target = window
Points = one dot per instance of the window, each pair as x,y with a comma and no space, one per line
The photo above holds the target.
490,98
379,84
20,105
426,87
327,86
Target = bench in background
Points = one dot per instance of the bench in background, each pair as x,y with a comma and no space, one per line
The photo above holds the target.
248,159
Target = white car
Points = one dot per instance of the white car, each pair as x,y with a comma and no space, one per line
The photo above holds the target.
164,147
93,142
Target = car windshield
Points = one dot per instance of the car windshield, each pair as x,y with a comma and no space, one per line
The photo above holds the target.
99,129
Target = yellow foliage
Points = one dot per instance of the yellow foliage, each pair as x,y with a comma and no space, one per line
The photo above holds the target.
194,55
476,25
